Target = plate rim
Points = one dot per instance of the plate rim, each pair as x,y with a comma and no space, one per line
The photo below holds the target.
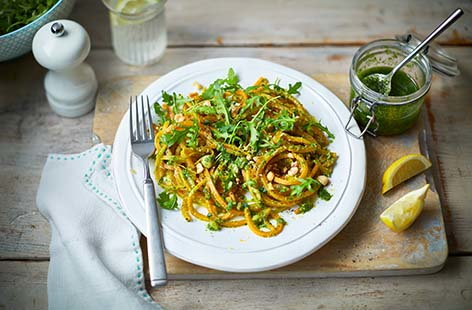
178,246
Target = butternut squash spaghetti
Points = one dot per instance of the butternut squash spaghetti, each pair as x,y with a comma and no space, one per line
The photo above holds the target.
239,156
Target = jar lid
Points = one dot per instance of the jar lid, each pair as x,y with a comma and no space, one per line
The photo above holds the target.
441,61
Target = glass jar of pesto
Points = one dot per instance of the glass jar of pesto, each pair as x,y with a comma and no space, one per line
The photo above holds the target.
395,113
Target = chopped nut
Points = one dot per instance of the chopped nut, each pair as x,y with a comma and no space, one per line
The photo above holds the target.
270,176
234,108
324,180
197,85
248,157
293,171
206,103
290,155
238,181
179,118
199,167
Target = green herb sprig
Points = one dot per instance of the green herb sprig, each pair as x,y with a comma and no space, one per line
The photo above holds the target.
167,201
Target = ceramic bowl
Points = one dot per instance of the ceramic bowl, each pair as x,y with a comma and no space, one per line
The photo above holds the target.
18,42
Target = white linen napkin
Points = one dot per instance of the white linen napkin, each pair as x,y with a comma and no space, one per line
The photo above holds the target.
96,261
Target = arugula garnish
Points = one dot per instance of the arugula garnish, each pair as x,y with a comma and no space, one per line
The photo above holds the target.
325,130
221,107
213,226
308,184
232,78
254,138
223,156
249,183
266,142
161,114
324,194
229,175
306,206
293,89
252,102
281,221
204,110
220,85
284,121
168,201
172,159
231,205
228,132
314,123
192,135
169,99
254,128
176,136
175,101
173,137
241,162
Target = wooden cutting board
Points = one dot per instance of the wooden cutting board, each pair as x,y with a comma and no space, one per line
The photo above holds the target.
365,247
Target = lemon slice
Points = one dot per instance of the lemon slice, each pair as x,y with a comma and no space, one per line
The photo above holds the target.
131,7
403,212
402,169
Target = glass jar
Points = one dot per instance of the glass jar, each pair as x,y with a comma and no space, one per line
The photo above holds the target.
379,114
139,34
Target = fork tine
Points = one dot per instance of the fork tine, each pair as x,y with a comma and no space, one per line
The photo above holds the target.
136,110
131,131
143,120
138,128
151,130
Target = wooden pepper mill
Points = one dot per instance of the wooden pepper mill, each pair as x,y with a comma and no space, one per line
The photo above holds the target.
62,46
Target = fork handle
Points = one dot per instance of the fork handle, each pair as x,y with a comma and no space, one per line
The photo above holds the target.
157,265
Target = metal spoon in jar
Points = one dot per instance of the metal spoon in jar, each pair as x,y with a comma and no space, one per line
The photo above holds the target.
383,82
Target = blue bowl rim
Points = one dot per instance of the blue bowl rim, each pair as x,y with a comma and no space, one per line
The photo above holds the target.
34,21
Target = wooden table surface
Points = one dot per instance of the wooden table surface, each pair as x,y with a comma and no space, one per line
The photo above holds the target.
310,36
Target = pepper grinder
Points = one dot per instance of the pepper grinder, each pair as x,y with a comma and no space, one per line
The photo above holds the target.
62,46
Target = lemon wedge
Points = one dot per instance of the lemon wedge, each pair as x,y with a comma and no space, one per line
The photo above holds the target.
403,212
402,169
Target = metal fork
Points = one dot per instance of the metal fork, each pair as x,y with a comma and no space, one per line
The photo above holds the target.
142,144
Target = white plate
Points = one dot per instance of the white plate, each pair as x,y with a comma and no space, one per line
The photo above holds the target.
238,249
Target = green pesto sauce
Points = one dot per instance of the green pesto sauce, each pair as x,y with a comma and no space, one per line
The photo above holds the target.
391,119
402,83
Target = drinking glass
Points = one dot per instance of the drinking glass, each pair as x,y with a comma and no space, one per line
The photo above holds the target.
138,30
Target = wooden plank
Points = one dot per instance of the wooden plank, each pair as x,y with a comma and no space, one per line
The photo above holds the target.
29,130
112,103
23,286
451,126
301,22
